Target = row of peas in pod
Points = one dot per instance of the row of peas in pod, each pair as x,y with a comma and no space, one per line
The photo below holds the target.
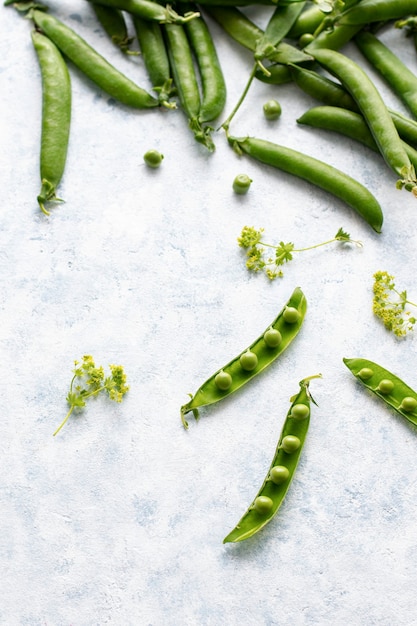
252,361
301,43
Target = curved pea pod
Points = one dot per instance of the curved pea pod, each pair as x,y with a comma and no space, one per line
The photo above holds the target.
282,469
261,353
387,386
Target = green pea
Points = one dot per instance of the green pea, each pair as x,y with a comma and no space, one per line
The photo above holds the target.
263,505
153,158
223,380
272,110
305,39
290,443
291,315
300,411
241,184
279,474
385,386
365,373
272,337
248,361
408,404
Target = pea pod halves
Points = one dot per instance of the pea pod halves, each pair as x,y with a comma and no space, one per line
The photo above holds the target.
287,454
261,353
386,386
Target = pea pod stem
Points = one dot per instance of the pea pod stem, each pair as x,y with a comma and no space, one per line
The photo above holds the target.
282,468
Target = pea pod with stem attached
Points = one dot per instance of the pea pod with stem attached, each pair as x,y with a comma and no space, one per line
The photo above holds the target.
56,117
334,94
149,10
92,64
113,22
254,359
155,57
387,386
316,172
213,84
347,123
374,110
281,472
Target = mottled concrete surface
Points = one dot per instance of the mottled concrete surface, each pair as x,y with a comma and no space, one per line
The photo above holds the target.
120,519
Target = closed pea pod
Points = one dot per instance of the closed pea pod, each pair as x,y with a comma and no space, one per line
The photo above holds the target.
92,64
368,11
254,359
114,23
316,172
282,469
149,10
347,123
56,117
373,108
386,385
155,56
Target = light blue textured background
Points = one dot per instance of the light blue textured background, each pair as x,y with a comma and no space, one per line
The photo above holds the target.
120,519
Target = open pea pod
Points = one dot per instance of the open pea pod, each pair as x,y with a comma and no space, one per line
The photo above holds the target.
387,386
287,454
249,363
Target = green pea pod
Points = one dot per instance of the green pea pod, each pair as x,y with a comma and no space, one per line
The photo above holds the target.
113,22
92,64
347,123
387,386
149,10
56,117
277,28
372,106
155,58
402,80
261,353
282,469
368,11
316,172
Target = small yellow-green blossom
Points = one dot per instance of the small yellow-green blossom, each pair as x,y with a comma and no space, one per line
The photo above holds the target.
390,305
89,381
257,259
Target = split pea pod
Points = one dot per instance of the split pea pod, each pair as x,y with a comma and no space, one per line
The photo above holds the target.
155,57
347,123
387,386
56,117
148,10
254,359
113,22
334,94
317,172
401,79
372,107
213,84
368,11
92,64
282,469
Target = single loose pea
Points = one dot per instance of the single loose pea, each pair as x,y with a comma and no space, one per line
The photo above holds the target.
241,183
385,386
263,504
300,411
272,337
408,404
279,474
365,373
153,158
290,443
291,315
305,39
272,110
223,380
248,361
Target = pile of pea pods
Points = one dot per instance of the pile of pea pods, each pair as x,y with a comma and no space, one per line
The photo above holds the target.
301,44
